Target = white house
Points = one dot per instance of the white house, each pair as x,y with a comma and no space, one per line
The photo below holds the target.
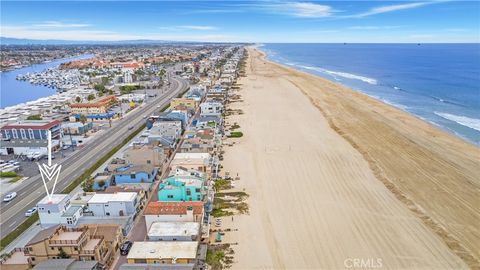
211,108
173,212
58,211
114,204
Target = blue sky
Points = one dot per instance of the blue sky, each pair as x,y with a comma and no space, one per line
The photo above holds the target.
240,21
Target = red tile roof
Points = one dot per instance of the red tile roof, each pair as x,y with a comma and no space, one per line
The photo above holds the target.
173,208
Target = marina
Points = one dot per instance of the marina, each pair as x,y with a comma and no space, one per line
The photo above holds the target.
14,92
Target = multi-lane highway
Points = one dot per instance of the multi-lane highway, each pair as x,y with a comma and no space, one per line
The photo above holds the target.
31,190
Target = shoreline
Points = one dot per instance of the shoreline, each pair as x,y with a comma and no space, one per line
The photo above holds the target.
458,119
398,107
18,84
363,172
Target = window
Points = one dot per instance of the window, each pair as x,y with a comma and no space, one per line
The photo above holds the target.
189,192
106,205
48,211
30,134
107,213
197,190
170,196
22,132
149,161
132,176
52,248
33,258
14,133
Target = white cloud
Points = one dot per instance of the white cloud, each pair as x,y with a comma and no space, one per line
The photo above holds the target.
301,9
390,8
188,27
373,27
58,24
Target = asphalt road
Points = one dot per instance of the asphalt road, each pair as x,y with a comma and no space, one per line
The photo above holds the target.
31,191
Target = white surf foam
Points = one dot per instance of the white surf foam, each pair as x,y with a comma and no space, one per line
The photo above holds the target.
352,76
341,74
472,123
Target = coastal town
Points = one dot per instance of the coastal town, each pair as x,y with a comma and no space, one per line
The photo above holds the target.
242,135
141,137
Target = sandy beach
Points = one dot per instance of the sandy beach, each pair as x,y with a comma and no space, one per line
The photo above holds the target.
336,177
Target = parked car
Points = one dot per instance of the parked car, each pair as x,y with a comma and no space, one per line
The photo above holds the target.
125,248
130,127
31,211
10,196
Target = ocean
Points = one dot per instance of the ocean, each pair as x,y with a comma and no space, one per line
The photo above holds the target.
13,92
439,83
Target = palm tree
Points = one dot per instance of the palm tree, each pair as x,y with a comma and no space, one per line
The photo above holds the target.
83,119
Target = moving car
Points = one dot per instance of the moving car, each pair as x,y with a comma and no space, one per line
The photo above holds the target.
125,248
31,211
10,196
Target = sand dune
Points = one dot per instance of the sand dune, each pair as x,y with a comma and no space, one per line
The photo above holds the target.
320,194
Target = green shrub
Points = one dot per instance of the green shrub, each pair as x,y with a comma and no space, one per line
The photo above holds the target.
235,134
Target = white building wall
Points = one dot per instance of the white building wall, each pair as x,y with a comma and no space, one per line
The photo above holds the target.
112,209
149,219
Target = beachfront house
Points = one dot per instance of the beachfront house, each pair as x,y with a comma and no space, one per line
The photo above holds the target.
211,108
163,252
173,231
173,212
186,188
192,161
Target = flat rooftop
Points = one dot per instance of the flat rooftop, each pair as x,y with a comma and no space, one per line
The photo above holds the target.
163,250
72,236
192,156
56,198
91,244
113,197
174,229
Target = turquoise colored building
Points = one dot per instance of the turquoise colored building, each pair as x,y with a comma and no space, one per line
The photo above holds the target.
171,190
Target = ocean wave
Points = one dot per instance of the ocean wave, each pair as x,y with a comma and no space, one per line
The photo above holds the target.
341,74
352,76
472,123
